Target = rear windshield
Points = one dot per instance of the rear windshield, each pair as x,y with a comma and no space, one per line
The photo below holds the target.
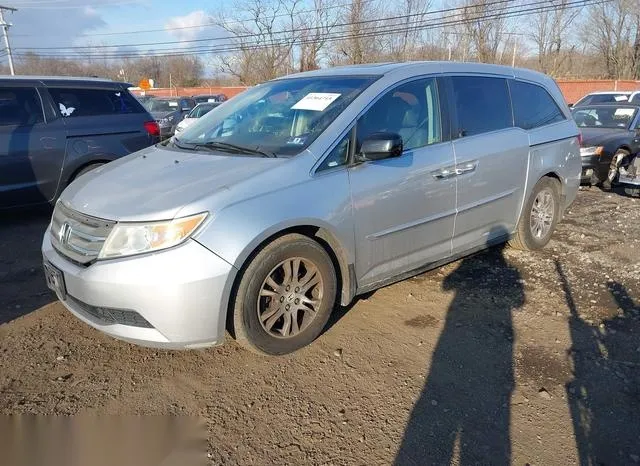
92,102
157,105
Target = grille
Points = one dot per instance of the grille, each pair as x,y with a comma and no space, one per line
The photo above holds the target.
109,316
77,236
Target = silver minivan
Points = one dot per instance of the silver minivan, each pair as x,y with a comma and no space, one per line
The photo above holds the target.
306,191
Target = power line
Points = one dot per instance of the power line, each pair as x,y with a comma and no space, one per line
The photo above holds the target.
372,31
285,31
200,26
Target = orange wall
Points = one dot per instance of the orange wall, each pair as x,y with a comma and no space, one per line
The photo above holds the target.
189,91
571,89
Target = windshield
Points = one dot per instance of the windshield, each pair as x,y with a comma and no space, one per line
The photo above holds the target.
157,105
280,117
606,116
201,110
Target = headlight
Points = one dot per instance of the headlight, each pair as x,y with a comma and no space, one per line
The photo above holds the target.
127,239
591,150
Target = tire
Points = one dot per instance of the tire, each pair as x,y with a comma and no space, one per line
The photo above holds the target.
263,291
86,169
530,235
625,154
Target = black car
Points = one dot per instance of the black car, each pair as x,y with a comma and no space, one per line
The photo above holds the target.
53,129
169,111
209,98
607,129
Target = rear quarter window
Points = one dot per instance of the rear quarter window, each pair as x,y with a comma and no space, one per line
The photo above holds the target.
93,102
20,106
533,107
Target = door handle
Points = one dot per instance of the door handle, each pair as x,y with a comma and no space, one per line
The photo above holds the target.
466,168
444,173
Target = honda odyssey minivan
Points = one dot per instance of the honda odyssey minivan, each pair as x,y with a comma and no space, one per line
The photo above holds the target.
306,191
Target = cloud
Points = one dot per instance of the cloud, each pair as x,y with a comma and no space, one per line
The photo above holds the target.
191,26
58,24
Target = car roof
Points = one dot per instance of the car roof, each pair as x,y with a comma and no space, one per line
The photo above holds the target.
423,67
63,79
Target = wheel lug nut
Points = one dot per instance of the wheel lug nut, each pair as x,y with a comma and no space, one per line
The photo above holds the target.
297,289
297,301
288,288
287,307
281,298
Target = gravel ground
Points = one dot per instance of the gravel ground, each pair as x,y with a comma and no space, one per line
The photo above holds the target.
503,357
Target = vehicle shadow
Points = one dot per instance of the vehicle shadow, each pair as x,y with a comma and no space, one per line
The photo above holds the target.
22,285
604,395
463,411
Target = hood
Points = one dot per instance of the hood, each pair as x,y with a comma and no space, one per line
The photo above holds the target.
155,183
600,136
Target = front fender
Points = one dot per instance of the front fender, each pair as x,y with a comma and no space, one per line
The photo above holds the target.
321,202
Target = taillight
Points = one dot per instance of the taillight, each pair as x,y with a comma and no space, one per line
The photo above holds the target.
580,139
152,128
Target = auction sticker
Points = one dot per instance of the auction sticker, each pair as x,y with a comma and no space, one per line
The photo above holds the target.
316,101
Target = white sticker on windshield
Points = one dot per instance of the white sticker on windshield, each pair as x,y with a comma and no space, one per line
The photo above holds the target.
173,104
624,111
316,101
620,98
212,100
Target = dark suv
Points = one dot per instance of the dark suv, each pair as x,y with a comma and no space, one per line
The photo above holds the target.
54,129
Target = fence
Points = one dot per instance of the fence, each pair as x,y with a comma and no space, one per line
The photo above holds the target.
571,89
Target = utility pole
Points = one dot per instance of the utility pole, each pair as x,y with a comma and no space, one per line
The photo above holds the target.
5,32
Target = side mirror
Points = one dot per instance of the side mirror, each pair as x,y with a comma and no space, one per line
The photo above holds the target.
380,146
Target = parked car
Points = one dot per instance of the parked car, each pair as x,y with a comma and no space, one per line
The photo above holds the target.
168,112
198,111
307,191
629,178
606,130
609,97
53,130
201,98
143,99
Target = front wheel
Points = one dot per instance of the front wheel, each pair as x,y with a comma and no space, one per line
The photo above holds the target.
539,216
285,296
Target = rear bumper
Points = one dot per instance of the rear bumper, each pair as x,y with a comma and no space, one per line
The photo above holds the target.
172,299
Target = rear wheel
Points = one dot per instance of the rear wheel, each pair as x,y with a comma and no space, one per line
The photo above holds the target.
285,296
539,216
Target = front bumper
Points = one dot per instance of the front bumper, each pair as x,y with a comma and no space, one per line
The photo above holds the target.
181,294
593,169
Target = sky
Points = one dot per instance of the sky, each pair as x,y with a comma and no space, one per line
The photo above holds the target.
63,23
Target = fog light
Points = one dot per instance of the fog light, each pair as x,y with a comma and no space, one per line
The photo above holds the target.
589,172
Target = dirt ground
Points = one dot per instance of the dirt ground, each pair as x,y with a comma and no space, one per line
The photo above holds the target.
506,357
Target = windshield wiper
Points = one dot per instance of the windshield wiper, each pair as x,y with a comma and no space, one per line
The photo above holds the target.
177,144
234,148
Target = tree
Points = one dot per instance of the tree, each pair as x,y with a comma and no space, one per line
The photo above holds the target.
550,34
610,29
483,25
263,35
